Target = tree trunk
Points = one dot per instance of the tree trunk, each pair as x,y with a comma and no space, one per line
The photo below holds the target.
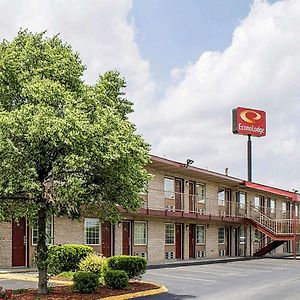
42,252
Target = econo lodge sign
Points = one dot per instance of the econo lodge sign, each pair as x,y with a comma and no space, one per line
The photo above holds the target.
249,121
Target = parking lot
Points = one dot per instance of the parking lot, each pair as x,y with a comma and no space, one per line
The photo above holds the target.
253,279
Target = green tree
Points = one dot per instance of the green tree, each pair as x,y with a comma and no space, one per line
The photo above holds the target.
66,148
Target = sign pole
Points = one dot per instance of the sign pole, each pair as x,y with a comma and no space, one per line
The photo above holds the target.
249,154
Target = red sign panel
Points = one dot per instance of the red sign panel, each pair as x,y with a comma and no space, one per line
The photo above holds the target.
249,121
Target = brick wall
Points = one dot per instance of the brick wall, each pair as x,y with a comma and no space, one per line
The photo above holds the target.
5,245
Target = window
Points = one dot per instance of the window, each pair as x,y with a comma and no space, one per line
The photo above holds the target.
257,236
169,234
200,234
256,202
92,231
242,200
242,236
221,197
169,187
200,192
49,232
221,235
284,207
140,233
272,206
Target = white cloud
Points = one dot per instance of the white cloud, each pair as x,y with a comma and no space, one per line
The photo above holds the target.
98,30
260,69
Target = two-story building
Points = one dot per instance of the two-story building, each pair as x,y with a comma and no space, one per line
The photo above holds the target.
188,213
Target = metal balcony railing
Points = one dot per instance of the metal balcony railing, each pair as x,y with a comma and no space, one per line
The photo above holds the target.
275,220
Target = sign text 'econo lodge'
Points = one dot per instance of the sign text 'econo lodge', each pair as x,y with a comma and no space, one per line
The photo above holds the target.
247,121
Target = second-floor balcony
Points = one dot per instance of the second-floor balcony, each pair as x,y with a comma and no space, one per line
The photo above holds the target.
170,203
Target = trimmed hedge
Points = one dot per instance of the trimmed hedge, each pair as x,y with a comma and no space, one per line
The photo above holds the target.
116,279
64,258
134,266
92,263
85,282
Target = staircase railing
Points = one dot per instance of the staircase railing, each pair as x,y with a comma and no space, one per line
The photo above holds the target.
276,226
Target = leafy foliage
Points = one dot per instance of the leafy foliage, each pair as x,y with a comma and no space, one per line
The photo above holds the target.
85,282
116,279
66,148
92,263
64,258
134,266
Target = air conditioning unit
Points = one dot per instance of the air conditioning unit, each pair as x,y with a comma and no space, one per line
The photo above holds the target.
200,253
141,254
221,252
222,213
170,208
201,211
170,255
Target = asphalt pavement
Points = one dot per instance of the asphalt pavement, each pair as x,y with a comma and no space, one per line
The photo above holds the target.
266,279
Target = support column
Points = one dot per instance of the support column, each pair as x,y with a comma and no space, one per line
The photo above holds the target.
295,230
249,156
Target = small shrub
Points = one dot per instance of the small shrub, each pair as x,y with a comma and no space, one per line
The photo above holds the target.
67,275
116,279
134,266
92,263
64,258
5,294
85,282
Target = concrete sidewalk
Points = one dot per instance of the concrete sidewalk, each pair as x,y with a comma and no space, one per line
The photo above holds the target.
202,261
17,270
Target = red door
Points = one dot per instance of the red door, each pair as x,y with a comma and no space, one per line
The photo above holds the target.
106,239
126,238
262,204
192,196
192,240
178,241
178,193
18,243
228,202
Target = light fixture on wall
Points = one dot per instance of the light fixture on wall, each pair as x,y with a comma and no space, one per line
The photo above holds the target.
186,226
189,162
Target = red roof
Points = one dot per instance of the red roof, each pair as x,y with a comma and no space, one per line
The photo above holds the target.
257,186
269,189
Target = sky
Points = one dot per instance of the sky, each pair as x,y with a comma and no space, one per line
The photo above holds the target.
187,64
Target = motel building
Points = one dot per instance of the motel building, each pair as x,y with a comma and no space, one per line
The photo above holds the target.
189,214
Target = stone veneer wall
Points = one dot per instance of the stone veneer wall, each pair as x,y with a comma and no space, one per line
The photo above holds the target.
5,245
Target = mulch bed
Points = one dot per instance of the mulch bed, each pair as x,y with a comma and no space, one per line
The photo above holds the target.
66,292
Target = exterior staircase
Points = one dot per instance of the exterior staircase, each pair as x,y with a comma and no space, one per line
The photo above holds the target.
278,230
268,248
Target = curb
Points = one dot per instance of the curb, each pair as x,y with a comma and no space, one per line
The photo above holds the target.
200,262
33,279
160,290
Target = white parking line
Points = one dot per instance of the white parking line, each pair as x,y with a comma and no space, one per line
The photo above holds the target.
213,273
185,278
239,269
260,266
